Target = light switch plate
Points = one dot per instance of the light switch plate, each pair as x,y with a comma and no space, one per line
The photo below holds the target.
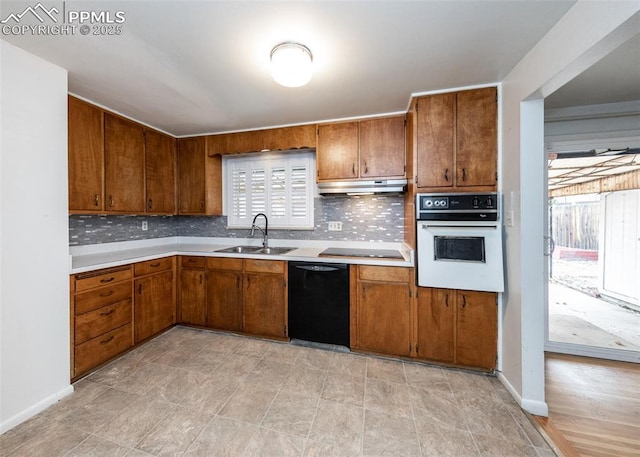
335,226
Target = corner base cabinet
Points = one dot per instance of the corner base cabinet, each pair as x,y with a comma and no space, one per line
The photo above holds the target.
241,295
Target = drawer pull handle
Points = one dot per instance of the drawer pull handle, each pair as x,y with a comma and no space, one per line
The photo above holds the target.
96,200
106,313
107,294
155,265
108,340
105,281
446,174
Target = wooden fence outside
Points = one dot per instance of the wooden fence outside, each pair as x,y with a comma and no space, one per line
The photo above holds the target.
575,225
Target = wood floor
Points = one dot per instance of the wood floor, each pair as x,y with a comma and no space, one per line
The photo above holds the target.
594,405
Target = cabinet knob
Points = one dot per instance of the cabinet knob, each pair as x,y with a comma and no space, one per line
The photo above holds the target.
464,174
96,200
111,201
366,168
446,174
202,204
150,204
353,169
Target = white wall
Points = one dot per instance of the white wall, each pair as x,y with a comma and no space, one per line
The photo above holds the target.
34,266
588,32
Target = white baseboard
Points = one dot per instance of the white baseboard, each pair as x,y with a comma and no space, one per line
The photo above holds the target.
538,408
34,409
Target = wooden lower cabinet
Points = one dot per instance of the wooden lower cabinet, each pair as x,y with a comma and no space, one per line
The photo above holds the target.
383,310
476,329
193,291
457,326
264,305
436,324
243,295
101,312
154,301
224,294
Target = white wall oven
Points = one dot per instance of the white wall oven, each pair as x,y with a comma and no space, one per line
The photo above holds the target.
459,241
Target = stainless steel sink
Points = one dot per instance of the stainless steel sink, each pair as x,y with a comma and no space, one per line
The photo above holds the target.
240,249
255,250
273,251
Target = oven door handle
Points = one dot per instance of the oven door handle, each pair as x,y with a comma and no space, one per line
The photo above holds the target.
466,227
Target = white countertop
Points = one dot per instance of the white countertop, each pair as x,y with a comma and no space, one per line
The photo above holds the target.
107,255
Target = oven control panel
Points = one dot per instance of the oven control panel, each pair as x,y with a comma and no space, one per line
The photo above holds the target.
458,206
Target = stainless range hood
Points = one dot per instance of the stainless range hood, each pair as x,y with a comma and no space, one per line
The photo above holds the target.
363,187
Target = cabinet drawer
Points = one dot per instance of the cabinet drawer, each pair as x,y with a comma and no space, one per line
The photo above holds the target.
95,323
100,349
98,279
214,263
264,266
193,262
391,274
152,266
98,298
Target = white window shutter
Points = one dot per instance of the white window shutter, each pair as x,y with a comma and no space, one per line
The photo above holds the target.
278,185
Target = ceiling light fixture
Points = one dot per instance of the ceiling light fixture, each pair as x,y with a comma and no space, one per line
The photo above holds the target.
291,64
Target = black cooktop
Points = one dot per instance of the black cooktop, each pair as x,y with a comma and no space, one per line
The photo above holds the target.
352,252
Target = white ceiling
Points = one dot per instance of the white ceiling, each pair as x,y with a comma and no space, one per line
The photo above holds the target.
202,67
615,78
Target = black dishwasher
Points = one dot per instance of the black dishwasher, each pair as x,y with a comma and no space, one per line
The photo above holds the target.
319,302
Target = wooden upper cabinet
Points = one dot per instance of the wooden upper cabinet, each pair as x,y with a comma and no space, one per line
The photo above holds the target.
476,137
337,151
367,149
456,140
124,165
382,147
160,173
86,157
191,175
299,136
199,177
435,140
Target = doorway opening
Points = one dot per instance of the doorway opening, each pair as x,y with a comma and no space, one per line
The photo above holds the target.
594,261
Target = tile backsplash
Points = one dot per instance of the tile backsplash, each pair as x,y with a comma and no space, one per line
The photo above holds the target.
364,218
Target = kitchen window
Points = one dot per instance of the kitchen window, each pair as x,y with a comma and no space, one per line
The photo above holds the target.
279,185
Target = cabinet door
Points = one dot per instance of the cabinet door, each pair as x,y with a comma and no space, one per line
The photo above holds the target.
264,305
192,297
86,156
300,136
224,300
337,151
154,309
161,173
435,140
436,321
383,318
477,138
124,165
382,147
191,176
476,329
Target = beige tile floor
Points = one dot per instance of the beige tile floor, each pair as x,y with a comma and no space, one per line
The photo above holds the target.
200,393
